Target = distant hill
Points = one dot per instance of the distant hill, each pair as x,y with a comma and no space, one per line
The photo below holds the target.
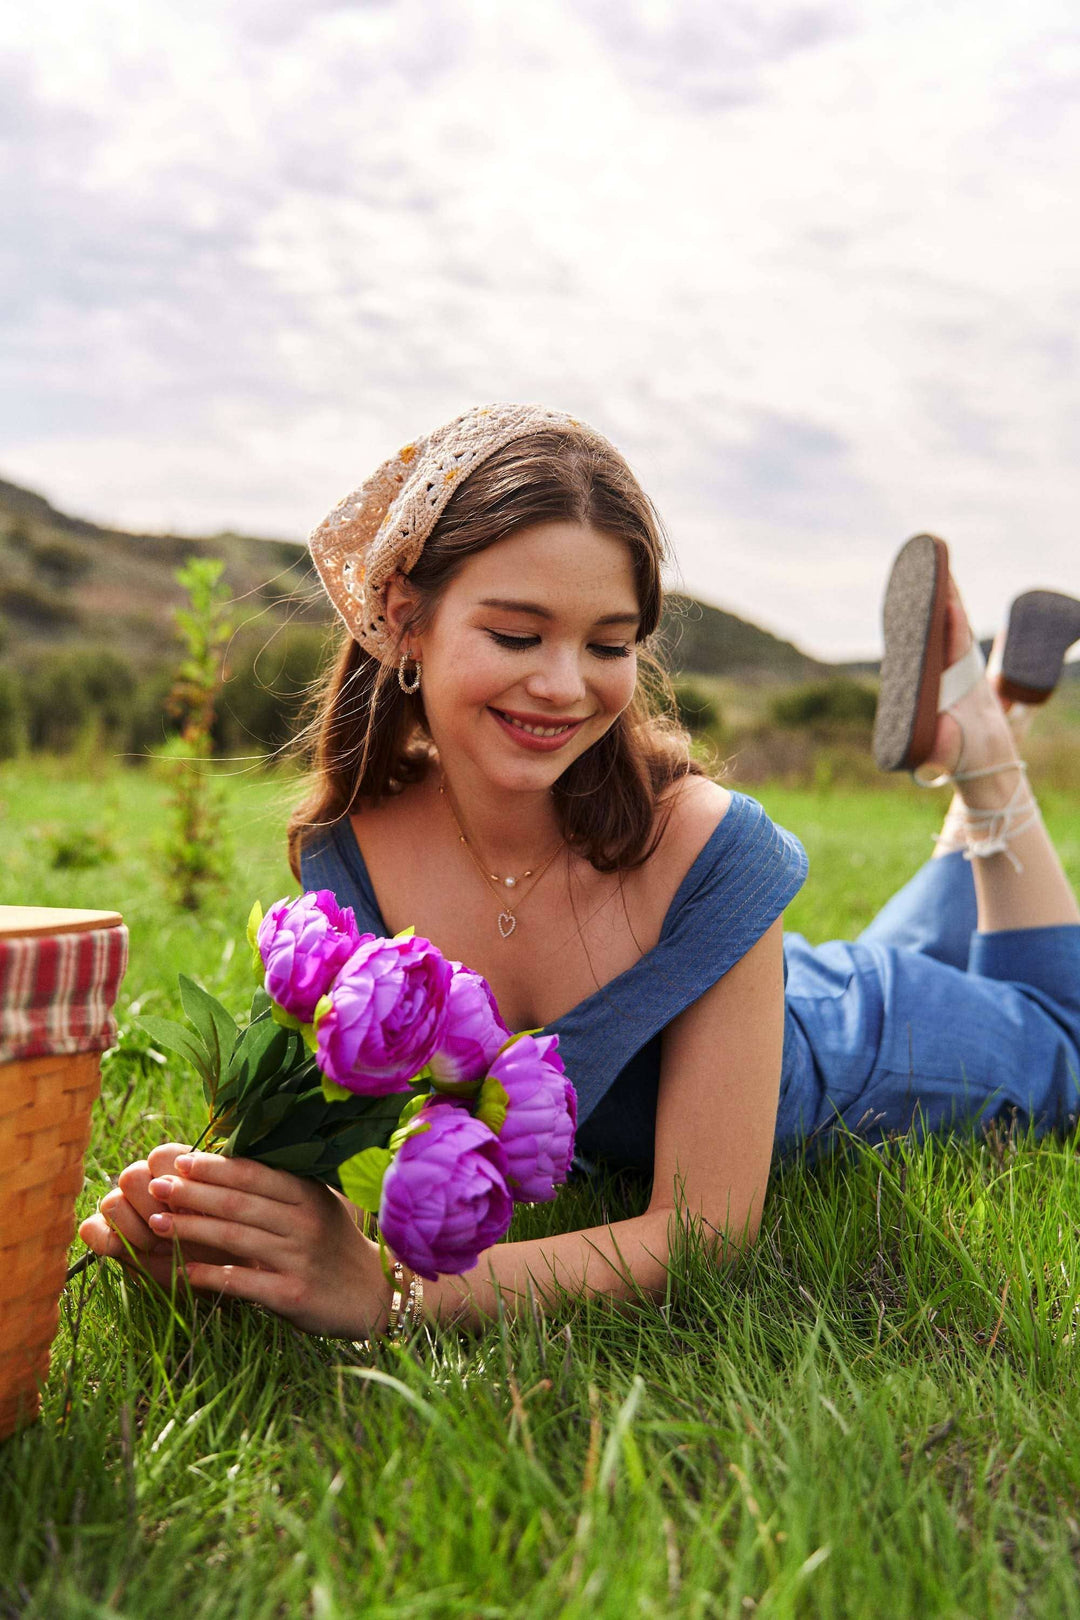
701,640
65,581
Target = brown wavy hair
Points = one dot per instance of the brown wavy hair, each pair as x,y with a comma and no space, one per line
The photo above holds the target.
366,738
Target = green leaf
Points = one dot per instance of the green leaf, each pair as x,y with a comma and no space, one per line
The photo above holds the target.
301,1158
255,917
333,1092
216,1027
407,933
412,1108
287,1020
263,1050
456,1088
362,1177
506,1045
176,1038
260,1005
258,1122
493,1105
415,1127
368,1126
268,1061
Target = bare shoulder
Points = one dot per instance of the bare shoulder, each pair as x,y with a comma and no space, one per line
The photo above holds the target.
695,807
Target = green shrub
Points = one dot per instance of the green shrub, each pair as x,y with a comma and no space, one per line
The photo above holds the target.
67,692
19,536
837,702
37,607
61,562
76,848
697,708
12,714
151,724
262,699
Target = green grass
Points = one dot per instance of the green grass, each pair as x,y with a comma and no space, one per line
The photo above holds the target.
875,1412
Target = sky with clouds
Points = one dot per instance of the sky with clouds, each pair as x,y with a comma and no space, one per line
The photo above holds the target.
814,268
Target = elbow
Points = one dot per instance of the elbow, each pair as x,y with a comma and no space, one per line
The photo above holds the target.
715,1234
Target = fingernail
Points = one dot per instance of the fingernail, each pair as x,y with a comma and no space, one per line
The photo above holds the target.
185,1163
161,1223
161,1187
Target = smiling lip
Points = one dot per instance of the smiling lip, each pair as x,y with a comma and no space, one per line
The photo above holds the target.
533,739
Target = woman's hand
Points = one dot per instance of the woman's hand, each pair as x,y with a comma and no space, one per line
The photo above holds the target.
119,1223
249,1232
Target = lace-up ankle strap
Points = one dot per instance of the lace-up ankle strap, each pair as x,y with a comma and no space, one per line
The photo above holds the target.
982,833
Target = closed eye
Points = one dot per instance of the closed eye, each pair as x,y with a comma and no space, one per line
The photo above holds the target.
602,649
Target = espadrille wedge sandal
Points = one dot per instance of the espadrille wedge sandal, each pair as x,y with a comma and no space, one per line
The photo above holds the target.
913,663
916,688
915,685
1041,628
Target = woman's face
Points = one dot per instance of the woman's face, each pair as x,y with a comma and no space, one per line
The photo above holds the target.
530,653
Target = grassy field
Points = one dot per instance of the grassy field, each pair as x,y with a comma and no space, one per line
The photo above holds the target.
876,1412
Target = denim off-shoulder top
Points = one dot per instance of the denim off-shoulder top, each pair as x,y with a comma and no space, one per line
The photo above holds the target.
739,883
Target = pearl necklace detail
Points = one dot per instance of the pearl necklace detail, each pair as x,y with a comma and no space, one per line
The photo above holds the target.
507,919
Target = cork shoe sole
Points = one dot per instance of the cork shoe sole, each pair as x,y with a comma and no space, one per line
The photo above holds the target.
913,615
1043,625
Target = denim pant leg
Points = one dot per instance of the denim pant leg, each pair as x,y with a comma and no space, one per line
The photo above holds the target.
934,913
887,1039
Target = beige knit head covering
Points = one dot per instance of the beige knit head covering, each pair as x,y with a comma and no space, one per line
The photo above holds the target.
380,529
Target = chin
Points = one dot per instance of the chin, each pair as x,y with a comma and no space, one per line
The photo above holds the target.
525,776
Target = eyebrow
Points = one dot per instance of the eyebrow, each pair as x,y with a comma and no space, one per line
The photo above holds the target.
539,612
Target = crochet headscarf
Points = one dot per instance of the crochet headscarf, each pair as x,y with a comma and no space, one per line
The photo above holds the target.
380,529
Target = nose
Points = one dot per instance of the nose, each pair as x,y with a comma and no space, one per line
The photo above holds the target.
557,679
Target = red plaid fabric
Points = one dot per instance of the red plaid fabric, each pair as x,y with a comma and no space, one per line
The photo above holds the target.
57,992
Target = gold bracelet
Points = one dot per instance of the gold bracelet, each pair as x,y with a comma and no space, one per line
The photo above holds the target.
416,1300
405,1309
393,1326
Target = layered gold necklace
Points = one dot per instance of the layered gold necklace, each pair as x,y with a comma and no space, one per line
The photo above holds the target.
507,919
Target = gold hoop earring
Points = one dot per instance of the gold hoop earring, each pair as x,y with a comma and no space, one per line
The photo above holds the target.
414,684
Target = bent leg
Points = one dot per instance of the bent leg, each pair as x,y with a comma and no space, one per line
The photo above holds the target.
934,913
886,1039
1019,883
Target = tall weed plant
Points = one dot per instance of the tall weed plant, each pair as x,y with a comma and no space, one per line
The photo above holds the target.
194,847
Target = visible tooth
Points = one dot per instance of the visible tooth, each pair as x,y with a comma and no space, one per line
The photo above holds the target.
538,731
544,731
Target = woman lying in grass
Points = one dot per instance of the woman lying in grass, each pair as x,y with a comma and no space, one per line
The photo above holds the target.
490,769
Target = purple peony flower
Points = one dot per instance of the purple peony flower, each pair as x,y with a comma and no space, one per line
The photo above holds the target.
474,1031
386,1016
444,1196
303,944
541,1116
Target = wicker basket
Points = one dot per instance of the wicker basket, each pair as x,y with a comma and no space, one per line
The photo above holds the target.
45,1107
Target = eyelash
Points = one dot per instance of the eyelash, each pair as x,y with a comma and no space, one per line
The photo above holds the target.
522,643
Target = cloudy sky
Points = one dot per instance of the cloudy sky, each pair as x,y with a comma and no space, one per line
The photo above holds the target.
813,268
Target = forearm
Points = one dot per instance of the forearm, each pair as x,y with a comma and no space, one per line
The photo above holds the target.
621,1261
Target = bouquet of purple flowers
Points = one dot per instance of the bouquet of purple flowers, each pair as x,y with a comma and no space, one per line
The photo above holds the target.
382,1068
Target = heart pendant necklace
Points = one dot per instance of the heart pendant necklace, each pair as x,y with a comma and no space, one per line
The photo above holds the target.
507,919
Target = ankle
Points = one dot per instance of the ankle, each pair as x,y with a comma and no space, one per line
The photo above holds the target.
991,787
974,740
984,830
